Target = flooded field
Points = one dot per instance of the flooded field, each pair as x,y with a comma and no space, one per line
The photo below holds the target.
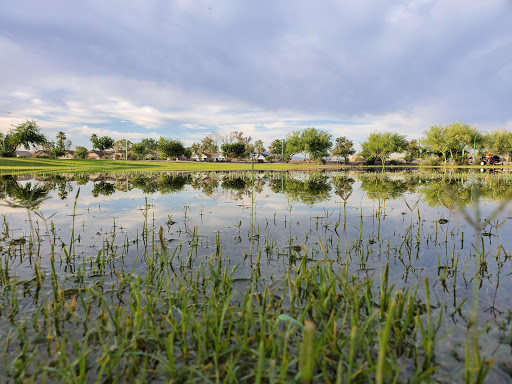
256,277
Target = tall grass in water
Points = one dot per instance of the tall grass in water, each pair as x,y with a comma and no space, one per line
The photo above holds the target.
317,322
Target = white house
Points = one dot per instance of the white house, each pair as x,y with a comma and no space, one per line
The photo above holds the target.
203,156
218,157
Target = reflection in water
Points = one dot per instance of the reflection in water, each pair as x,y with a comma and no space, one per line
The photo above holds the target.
29,194
437,189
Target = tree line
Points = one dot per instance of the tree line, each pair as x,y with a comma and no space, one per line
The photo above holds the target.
454,141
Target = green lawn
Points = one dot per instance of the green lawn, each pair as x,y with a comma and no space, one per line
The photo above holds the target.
15,165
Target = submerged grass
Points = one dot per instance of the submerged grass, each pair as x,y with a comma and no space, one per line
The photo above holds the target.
174,316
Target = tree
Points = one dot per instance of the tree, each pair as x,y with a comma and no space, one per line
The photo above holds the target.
26,134
412,151
121,145
171,147
343,148
258,146
150,143
61,137
81,152
499,142
102,143
140,150
276,147
312,143
94,139
381,145
195,148
233,149
450,139
208,145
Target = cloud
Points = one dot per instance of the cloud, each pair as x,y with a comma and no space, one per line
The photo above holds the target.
180,68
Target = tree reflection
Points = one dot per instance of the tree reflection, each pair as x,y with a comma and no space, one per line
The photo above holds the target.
103,188
382,187
173,183
314,189
29,195
343,186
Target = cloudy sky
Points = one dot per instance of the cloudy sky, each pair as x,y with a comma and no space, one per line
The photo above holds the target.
186,68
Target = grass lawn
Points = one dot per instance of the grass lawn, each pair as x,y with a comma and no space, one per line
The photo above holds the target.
19,165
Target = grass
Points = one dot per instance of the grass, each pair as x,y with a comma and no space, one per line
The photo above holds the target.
12,165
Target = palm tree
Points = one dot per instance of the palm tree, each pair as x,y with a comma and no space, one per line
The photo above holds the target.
94,140
61,136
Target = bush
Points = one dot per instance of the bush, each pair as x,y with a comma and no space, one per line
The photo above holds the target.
394,162
431,162
370,160
41,156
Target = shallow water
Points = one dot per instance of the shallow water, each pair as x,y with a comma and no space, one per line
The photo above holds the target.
425,225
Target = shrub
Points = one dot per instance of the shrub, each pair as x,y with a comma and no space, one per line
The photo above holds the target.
370,160
431,162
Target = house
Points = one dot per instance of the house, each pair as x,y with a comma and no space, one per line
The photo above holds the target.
23,154
203,156
218,157
68,154
259,156
95,154
41,153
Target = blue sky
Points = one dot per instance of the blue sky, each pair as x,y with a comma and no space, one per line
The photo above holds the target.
184,69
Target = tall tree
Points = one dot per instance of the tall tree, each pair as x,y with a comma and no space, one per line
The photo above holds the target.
209,145
170,147
61,137
102,143
258,146
140,150
499,142
310,142
343,148
451,139
80,152
381,145
26,134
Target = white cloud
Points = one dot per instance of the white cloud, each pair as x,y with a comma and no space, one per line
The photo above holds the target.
186,68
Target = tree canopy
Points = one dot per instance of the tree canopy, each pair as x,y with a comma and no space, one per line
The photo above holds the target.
170,147
102,143
381,145
451,139
310,142
26,134
343,148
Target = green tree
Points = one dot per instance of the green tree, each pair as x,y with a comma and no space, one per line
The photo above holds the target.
170,147
412,151
381,145
26,134
310,142
499,142
343,148
258,146
450,139
233,149
81,152
150,143
208,145
61,138
276,147
140,150
102,143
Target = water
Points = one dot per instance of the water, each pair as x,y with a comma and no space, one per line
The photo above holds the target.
414,221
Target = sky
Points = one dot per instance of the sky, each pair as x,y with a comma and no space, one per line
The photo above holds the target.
186,68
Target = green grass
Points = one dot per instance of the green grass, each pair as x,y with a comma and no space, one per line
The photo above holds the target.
16,165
